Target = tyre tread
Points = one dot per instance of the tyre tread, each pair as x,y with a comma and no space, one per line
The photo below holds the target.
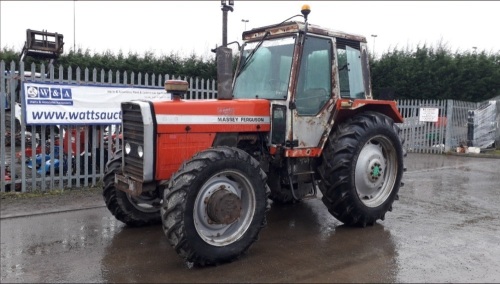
117,202
175,202
335,169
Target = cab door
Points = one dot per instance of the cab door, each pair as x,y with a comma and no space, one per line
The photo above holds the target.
313,96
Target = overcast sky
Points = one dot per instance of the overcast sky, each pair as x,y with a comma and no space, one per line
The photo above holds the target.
186,27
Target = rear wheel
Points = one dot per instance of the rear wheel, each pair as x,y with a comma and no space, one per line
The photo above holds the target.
361,169
132,210
215,206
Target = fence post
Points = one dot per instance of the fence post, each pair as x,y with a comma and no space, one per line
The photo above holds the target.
414,125
449,123
470,128
497,138
3,114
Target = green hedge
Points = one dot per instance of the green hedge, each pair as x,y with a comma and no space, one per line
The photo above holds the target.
436,73
424,73
172,64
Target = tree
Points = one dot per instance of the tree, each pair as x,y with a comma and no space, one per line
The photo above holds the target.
148,63
436,73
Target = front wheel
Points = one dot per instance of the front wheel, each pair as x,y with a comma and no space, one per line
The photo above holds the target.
361,169
134,211
215,206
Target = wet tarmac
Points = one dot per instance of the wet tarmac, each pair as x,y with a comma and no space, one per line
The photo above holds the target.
444,228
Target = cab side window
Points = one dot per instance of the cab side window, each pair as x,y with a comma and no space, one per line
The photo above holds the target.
350,71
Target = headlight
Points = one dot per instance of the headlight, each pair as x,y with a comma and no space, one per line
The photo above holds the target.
140,151
127,148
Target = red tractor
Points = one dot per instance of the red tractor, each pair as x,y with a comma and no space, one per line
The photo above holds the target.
297,116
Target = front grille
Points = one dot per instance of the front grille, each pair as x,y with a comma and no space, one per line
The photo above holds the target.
133,133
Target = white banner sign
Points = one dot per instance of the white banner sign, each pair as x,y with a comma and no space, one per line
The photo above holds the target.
77,104
429,114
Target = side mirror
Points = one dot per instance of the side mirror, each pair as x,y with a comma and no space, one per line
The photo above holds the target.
224,73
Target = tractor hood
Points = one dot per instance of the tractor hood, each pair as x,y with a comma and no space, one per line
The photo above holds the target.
177,116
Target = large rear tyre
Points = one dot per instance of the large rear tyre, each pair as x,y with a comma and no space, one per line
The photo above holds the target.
134,211
361,169
215,206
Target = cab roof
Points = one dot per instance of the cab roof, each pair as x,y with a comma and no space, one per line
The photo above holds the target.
294,27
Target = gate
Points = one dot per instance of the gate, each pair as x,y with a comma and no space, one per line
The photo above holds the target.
448,131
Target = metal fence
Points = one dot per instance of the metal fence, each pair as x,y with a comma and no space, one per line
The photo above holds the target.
67,156
43,157
448,132
459,124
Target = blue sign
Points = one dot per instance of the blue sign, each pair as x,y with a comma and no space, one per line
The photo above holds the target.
66,94
55,93
49,96
44,92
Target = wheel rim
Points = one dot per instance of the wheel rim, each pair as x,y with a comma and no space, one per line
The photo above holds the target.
376,170
210,231
146,202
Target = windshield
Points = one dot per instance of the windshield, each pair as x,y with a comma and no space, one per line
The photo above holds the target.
267,73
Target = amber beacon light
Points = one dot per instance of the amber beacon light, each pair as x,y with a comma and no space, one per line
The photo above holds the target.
305,11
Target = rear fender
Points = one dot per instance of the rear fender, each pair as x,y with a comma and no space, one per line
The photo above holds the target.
346,108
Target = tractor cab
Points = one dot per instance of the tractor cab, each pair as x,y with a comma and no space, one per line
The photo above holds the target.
303,70
302,61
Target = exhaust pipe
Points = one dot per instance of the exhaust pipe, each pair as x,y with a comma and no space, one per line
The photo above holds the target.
224,57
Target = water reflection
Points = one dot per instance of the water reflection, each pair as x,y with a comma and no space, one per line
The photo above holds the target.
301,243
55,247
